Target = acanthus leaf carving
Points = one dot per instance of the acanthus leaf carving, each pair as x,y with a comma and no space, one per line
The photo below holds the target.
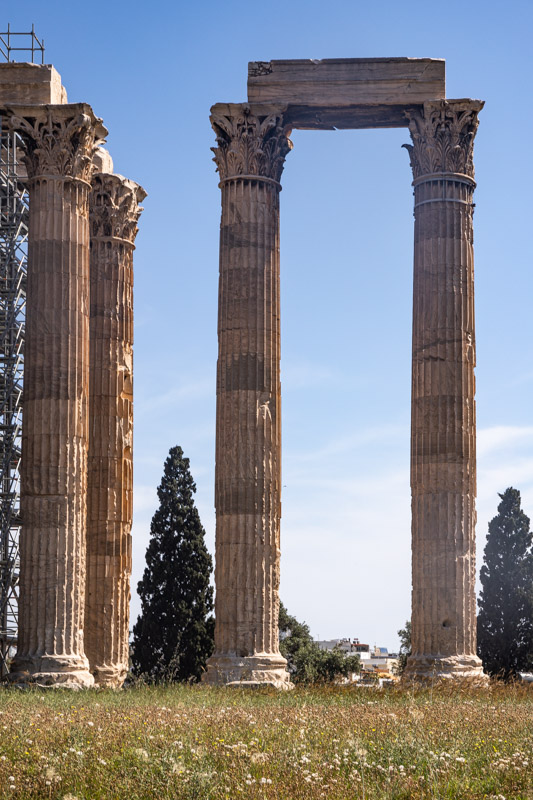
443,137
250,144
59,141
114,207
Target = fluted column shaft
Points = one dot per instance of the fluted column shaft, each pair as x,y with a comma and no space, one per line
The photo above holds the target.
250,154
443,429
113,213
59,142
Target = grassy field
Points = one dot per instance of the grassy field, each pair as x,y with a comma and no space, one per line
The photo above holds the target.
196,742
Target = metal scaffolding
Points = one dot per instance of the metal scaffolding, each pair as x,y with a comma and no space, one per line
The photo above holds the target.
14,217
27,42
13,257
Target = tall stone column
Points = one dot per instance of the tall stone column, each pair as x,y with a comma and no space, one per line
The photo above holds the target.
252,146
113,213
443,432
59,142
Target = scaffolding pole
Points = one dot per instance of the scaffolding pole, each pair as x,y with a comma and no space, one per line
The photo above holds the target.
14,217
14,220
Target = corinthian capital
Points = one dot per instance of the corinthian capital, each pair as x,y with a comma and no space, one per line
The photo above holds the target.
443,137
114,208
58,139
251,140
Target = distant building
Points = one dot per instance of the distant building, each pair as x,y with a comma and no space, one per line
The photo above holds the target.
376,662
349,646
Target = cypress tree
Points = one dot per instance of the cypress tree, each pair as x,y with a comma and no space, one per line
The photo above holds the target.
505,619
173,636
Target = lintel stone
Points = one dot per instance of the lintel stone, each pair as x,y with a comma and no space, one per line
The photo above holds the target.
347,81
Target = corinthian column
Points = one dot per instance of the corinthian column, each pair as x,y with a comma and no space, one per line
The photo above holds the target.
113,212
443,433
59,142
252,145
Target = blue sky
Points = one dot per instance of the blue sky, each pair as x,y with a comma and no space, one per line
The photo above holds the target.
152,71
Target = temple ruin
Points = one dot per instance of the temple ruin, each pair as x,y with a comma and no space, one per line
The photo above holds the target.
76,468
252,143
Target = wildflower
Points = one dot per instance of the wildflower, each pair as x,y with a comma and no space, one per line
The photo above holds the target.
259,758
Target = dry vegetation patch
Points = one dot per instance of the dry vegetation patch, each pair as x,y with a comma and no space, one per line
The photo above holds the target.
199,742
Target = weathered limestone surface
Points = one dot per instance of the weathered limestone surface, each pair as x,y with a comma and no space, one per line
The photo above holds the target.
30,84
345,81
59,142
113,212
347,93
443,434
252,145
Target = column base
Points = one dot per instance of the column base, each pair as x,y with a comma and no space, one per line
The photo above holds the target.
425,668
66,672
110,677
248,672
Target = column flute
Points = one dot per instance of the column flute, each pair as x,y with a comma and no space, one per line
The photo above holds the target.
113,213
443,425
59,143
252,145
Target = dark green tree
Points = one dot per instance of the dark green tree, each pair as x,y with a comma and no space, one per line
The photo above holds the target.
405,646
173,636
306,662
505,619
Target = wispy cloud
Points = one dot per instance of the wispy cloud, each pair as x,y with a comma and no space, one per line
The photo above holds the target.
184,392
345,530
503,437
388,435
307,375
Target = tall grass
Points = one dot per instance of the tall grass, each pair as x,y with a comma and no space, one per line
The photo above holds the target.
335,743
